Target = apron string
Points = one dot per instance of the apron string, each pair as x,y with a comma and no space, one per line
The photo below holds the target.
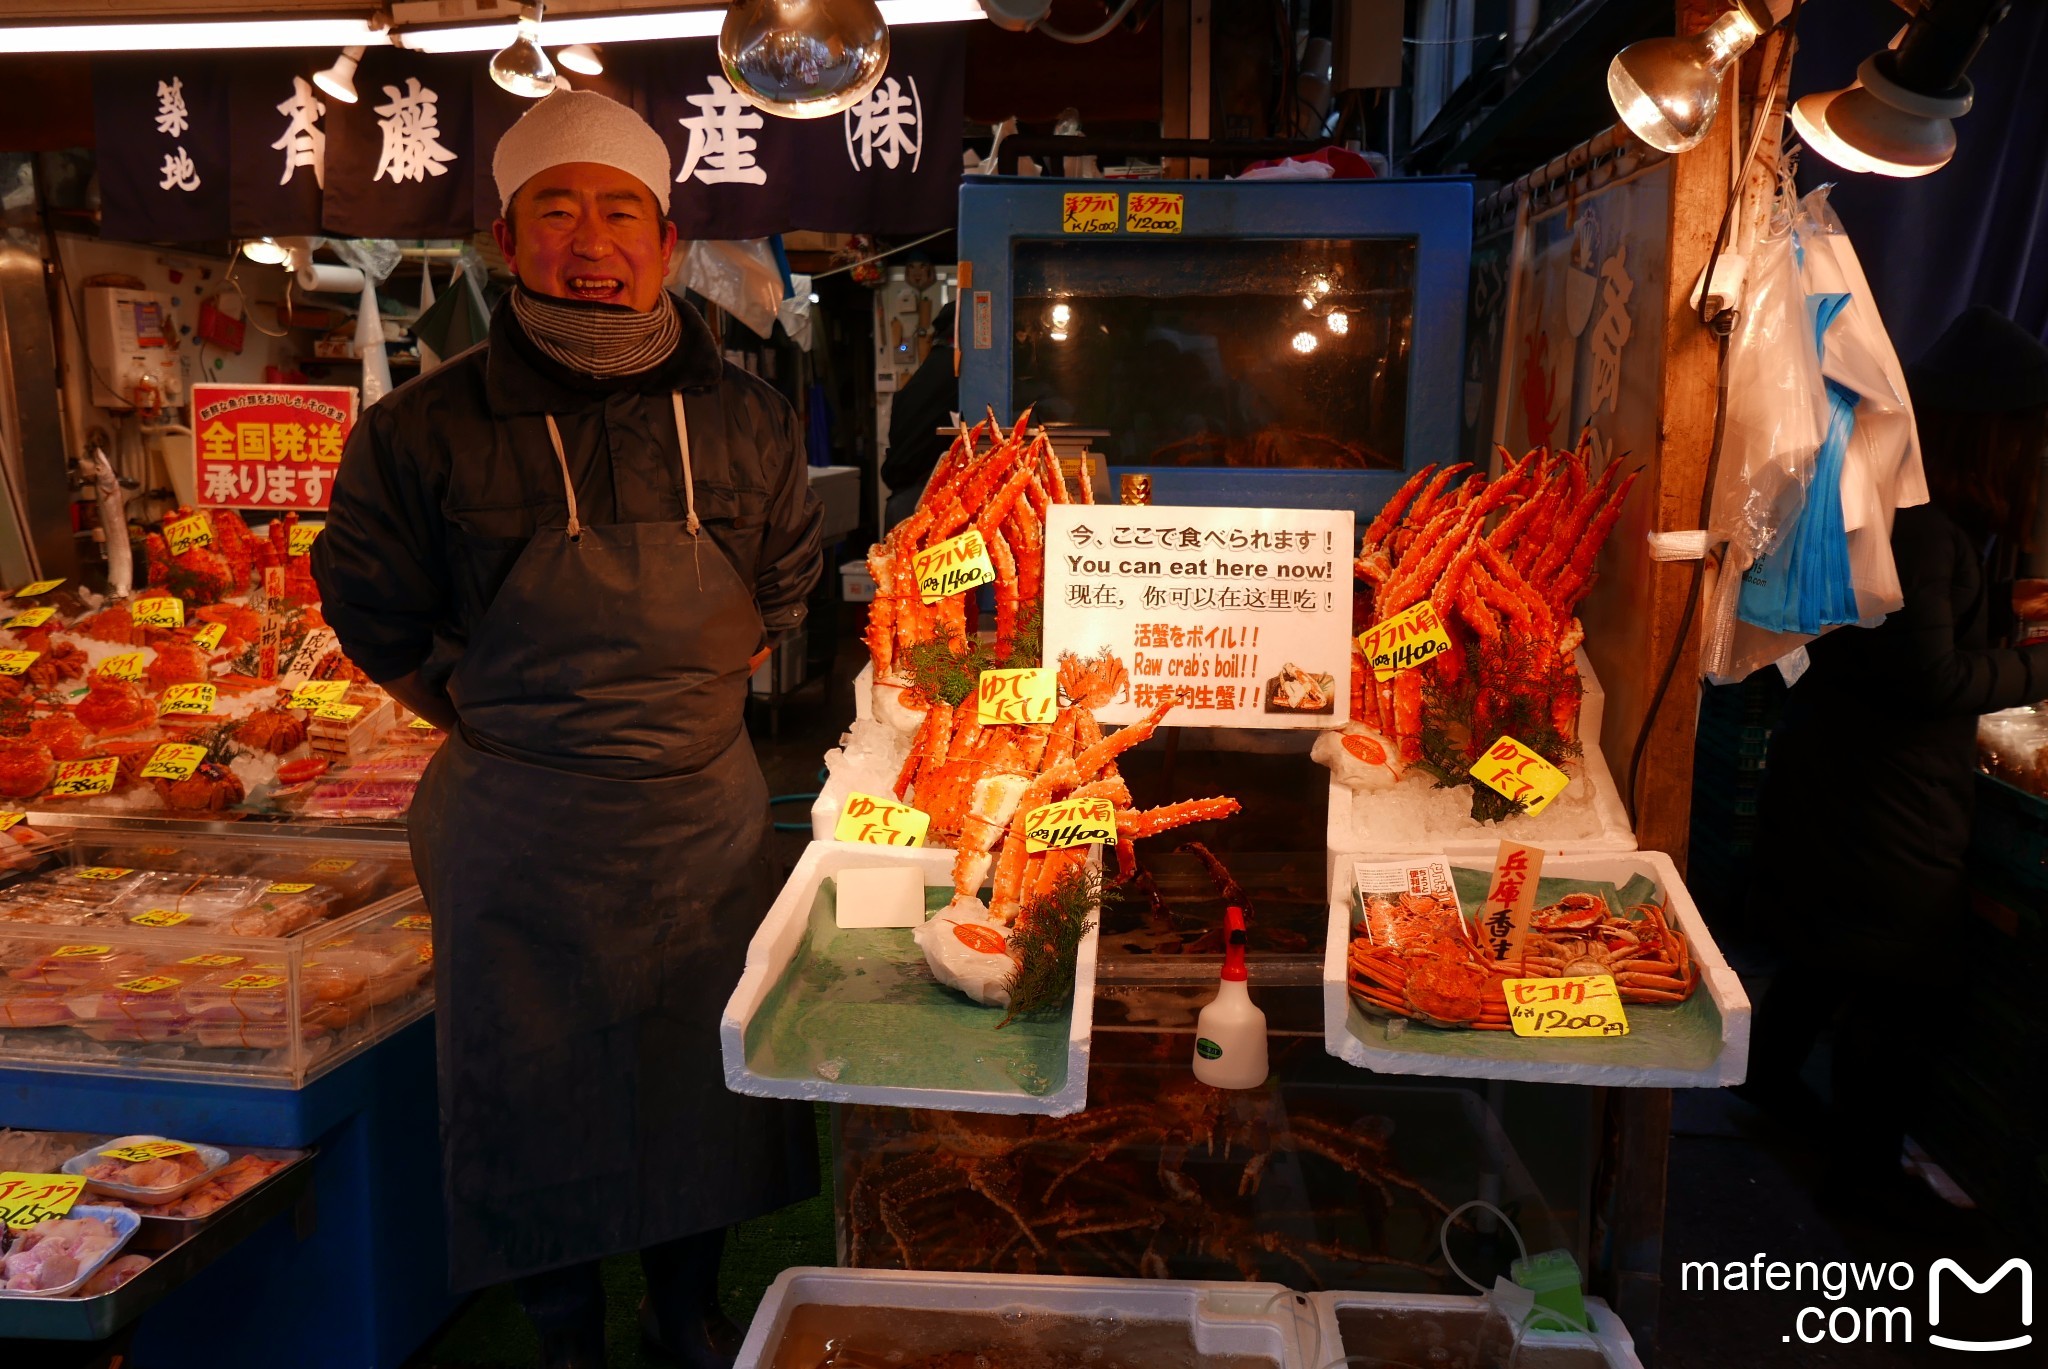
568,486
689,485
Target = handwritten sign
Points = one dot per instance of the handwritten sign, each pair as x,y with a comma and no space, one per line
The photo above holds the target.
313,693
955,564
1153,211
149,983
331,865
160,917
1030,695
183,534
881,822
1515,772
209,636
9,821
31,617
159,610
211,962
288,889
14,662
28,1200
80,952
1582,1005
253,982
1072,822
422,725
414,922
188,698
1510,900
173,761
32,589
144,1151
1089,211
127,667
301,538
101,872
1406,640
82,779
337,713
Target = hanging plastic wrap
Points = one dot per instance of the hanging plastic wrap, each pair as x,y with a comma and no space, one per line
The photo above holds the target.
376,258
740,277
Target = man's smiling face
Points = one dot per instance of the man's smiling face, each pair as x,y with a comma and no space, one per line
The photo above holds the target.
589,232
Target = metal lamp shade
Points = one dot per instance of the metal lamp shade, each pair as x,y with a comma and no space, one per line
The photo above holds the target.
804,59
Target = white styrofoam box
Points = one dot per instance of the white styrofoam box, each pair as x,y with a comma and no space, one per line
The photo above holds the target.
1592,698
856,584
1351,1036
1255,1320
1609,1339
838,490
775,945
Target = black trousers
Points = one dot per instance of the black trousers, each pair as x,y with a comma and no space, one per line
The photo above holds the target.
682,1287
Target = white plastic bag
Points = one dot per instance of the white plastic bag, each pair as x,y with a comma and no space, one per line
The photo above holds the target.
740,277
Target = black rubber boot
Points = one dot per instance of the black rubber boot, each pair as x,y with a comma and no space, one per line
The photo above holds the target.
680,1316
566,1307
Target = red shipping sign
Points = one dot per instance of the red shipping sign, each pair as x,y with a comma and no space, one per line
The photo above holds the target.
270,446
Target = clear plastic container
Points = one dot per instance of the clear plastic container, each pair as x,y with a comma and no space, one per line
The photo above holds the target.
137,1180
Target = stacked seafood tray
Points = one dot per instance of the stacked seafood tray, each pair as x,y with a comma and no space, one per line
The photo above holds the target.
217,692
265,960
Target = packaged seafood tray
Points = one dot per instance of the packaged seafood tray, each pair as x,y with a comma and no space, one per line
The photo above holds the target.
55,1258
264,961
1449,1332
855,1016
814,1317
1626,913
150,1170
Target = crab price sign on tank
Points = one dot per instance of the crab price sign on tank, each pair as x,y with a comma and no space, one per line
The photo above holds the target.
270,446
1238,617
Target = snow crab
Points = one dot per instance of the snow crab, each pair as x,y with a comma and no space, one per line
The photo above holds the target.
198,575
1650,959
26,769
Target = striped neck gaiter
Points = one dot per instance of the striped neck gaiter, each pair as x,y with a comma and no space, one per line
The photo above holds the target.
599,339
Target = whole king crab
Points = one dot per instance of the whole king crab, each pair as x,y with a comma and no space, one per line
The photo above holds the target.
198,574
113,706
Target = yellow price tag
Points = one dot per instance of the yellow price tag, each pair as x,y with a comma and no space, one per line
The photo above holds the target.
101,872
188,698
210,635
287,889
173,761
14,662
1582,1005
955,564
253,981
31,617
1153,211
881,822
422,725
211,962
313,693
1029,695
1406,640
127,667
82,779
183,534
1071,822
8,821
148,1150
30,1199
1089,211
338,713
332,865
302,537
159,610
149,983
1515,772
415,922
79,952
160,917
31,590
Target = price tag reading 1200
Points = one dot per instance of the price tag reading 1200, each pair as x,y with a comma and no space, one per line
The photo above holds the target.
953,565
1583,1005
881,822
1153,211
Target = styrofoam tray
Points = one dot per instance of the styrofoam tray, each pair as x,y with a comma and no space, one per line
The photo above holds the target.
1263,1320
125,1224
774,950
213,1157
1609,1339
1646,1058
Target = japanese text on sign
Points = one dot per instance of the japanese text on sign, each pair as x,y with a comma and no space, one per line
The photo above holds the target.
35,587
1072,822
1510,899
80,779
183,534
1153,211
10,820
188,698
160,917
148,1150
1404,641
881,822
1089,211
270,446
253,981
173,761
953,565
301,538
1517,773
1240,617
128,666
30,617
1028,695
212,962
158,610
149,983
14,662
210,635
29,1199
337,713
1583,1005
102,871
287,888
313,693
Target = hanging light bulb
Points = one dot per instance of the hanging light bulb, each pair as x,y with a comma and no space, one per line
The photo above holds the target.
582,59
1339,321
339,80
1667,90
520,66
804,59
266,251
1305,342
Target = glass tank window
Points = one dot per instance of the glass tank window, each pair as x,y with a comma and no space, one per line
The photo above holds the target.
1220,352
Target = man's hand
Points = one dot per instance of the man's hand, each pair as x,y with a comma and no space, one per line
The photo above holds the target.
2030,599
429,703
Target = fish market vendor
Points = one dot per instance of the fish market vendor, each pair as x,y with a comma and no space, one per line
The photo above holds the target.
563,546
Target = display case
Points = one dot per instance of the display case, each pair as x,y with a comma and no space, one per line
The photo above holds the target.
263,961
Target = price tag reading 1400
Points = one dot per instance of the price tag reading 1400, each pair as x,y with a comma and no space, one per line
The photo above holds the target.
1071,822
881,822
1583,1005
1408,639
953,565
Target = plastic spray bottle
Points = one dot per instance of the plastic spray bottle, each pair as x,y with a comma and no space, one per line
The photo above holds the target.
1230,1035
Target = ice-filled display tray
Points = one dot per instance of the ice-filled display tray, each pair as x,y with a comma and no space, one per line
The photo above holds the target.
1700,1043
1447,1332
855,1016
877,1316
